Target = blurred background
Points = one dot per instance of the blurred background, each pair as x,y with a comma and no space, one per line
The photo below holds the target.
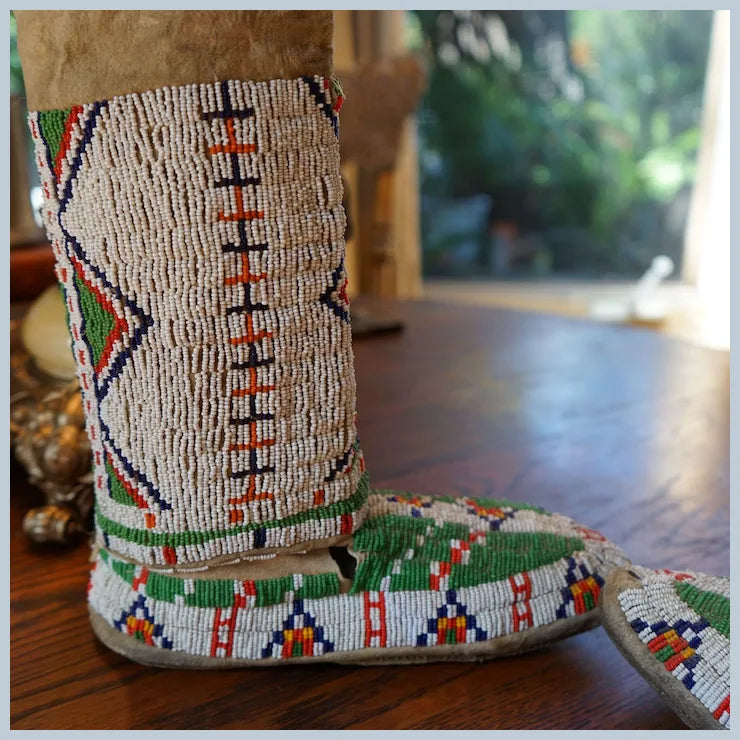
536,160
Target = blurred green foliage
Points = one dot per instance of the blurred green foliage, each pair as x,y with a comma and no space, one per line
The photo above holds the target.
16,76
582,126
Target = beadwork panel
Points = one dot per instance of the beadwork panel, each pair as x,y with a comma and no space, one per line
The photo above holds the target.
199,236
432,571
684,620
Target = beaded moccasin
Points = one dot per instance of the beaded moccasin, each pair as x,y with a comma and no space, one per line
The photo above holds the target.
199,237
424,579
675,630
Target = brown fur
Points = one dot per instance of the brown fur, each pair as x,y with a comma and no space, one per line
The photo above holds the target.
74,57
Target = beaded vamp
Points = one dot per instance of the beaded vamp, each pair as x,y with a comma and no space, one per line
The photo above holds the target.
683,619
430,572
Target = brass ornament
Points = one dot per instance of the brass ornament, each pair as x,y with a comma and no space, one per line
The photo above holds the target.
48,437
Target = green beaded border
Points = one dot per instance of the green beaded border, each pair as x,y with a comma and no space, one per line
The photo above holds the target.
175,539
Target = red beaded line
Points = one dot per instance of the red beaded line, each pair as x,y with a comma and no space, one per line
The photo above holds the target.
251,337
521,609
375,618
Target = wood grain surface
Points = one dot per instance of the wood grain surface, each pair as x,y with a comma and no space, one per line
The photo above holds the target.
623,429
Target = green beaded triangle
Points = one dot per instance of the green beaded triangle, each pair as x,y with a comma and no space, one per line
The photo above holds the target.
711,606
100,322
53,124
118,490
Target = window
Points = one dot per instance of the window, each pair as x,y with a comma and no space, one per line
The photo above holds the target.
557,144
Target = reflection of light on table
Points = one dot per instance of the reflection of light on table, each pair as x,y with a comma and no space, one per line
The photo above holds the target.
685,318
673,428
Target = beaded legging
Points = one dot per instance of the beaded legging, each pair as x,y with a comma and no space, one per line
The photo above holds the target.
198,232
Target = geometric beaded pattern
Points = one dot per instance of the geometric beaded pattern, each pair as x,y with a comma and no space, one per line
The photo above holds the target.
684,620
199,238
430,571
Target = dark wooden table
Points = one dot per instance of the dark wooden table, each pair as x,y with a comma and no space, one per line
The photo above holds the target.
624,429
